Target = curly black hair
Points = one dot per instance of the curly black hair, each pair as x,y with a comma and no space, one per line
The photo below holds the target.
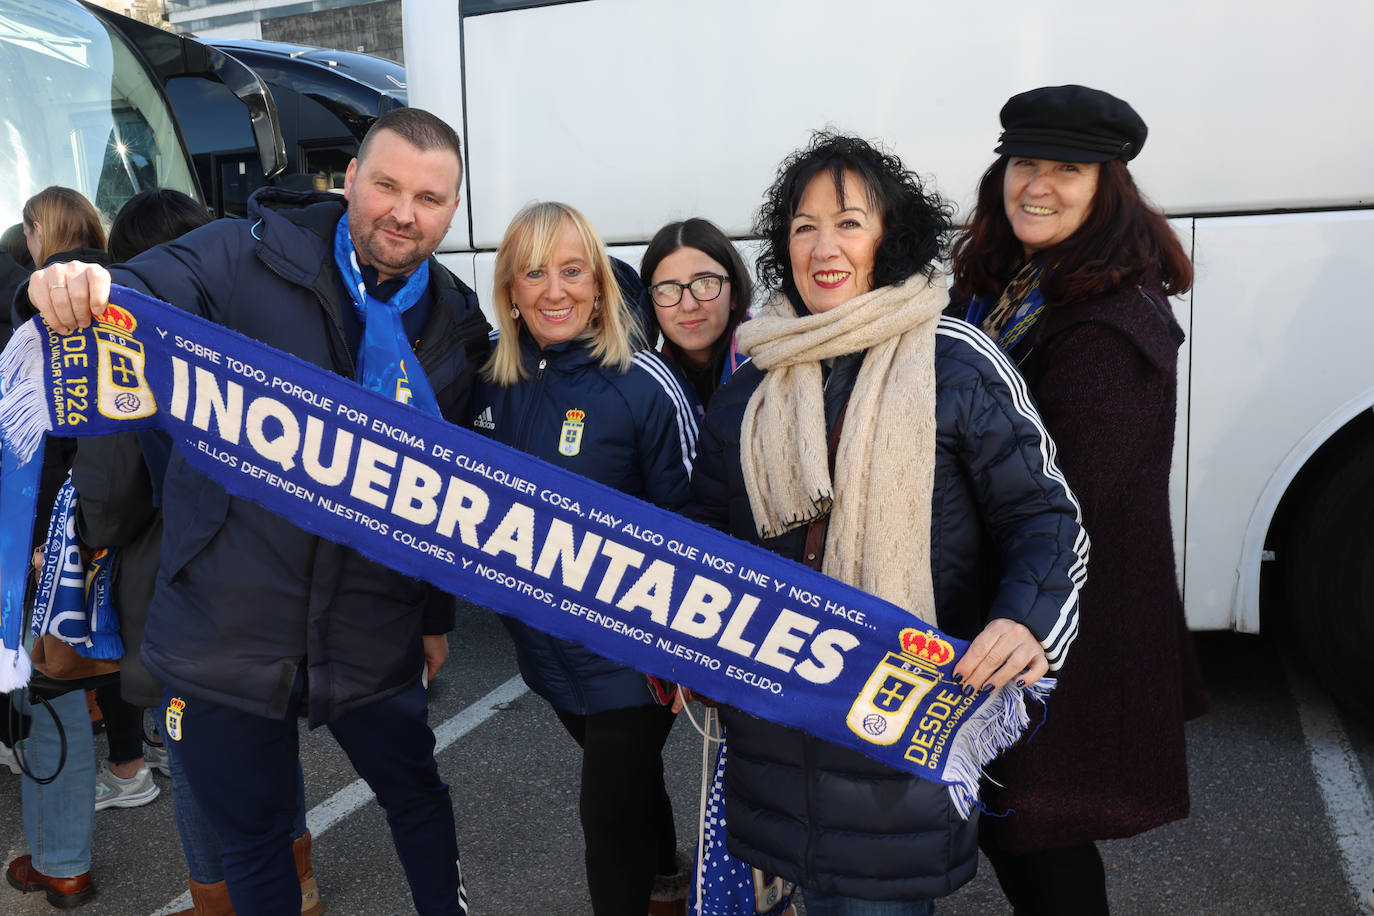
916,220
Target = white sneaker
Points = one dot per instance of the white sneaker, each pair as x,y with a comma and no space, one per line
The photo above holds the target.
7,759
113,792
156,758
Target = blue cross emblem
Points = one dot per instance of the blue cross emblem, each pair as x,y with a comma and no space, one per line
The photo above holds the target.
892,694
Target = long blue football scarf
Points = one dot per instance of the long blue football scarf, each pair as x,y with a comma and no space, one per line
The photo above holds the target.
581,561
19,480
386,363
73,600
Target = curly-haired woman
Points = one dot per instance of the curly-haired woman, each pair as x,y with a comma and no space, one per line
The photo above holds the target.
940,494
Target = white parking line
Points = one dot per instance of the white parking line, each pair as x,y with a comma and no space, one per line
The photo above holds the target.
1345,791
356,794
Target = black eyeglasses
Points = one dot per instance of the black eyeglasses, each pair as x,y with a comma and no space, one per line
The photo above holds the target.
704,288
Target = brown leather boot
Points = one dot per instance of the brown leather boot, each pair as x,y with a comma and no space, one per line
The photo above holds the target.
669,894
677,907
208,900
311,904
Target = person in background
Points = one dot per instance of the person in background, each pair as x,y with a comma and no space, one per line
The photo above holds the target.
60,225
701,291
54,221
569,342
1069,269
940,496
337,639
15,266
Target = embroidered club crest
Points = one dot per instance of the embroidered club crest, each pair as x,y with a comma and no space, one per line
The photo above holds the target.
570,439
122,391
174,711
895,689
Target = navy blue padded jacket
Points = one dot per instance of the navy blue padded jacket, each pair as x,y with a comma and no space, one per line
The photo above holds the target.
244,597
1006,541
638,436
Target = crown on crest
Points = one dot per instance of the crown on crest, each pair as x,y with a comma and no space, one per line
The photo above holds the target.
927,649
118,317
576,416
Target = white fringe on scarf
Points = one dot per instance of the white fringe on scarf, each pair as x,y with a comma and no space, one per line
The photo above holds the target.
24,417
15,668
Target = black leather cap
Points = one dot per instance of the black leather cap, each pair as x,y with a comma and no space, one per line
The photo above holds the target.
1070,124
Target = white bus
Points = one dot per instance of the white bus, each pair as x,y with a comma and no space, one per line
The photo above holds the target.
643,111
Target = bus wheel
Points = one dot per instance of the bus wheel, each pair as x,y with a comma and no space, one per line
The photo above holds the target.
1329,573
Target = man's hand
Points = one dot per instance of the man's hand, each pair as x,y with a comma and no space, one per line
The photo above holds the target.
67,295
436,651
1004,651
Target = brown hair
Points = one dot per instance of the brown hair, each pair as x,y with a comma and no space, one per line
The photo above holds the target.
421,129
1123,240
68,219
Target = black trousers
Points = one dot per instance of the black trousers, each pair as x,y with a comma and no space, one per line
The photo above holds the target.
627,817
123,724
1054,882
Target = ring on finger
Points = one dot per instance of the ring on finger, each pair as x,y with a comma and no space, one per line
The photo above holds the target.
59,285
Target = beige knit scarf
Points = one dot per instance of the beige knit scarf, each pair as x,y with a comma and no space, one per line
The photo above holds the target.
879,534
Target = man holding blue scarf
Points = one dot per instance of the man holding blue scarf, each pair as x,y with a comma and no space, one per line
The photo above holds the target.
254,621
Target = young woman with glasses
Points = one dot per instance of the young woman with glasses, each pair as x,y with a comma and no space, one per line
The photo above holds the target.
701,291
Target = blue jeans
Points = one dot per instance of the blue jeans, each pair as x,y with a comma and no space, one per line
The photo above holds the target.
59,818
244,770
822,905
199,841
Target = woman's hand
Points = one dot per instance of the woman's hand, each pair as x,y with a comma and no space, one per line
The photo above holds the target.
1003,652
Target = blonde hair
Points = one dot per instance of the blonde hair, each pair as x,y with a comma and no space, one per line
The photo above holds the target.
68,219
529,242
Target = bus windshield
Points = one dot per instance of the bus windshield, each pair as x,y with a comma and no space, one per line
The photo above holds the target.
81,111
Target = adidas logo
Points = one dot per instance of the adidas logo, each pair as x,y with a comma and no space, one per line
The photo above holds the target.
484,420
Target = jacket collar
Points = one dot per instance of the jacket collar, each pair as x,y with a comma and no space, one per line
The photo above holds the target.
294,232
568,356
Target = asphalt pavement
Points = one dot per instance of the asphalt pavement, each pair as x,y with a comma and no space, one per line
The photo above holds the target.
1282,818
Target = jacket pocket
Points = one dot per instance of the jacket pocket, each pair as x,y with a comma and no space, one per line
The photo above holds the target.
193,510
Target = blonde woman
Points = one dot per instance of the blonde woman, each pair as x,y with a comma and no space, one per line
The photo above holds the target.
569,383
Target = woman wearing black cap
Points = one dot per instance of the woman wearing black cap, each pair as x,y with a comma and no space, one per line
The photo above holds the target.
1069,269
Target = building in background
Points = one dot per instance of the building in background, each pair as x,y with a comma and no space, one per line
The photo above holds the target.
369,26
151,12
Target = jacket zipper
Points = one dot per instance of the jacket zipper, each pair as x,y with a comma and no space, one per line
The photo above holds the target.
526,426
809,769
527,421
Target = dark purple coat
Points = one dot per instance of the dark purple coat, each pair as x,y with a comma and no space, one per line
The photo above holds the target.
1109,761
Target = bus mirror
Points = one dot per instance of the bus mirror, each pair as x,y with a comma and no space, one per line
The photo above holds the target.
249,88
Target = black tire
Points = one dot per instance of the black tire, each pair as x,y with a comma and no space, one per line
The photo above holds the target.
1329,572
